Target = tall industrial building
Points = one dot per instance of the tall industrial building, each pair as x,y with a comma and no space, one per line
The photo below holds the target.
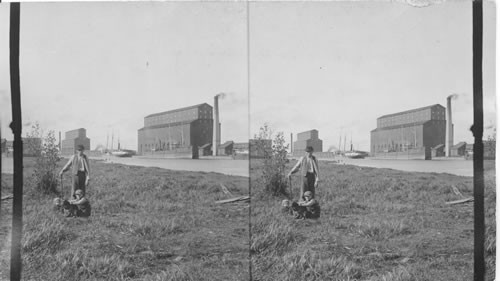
179,130
73,139
421,128
305,139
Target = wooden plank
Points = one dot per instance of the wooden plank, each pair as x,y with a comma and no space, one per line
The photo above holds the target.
460,201
8,197
235,199
456,191
225,190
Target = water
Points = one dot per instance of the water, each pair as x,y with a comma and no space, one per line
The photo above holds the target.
240,167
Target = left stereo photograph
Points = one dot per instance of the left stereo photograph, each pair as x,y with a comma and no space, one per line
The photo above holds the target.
135,145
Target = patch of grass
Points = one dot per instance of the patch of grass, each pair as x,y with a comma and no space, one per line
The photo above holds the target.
47,236
146,224
382,229
309,265
376,224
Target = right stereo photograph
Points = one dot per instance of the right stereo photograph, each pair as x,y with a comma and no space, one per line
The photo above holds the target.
361,150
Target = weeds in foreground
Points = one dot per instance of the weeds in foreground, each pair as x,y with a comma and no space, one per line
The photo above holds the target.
375,225
146,224
309,265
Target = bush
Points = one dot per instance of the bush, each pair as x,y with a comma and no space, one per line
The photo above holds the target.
47,156
275,159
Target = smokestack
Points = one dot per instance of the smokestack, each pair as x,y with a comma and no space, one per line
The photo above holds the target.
216,138
449,127
219,136
60,143
291,142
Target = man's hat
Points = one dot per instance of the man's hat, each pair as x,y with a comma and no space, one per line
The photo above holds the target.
80,147
309,149
308,193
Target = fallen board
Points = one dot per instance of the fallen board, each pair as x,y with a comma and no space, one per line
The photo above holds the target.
236,199
460,201
225,190
456,191
8,197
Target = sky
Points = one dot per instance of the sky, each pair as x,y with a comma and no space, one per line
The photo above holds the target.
338,66
331,66
105,66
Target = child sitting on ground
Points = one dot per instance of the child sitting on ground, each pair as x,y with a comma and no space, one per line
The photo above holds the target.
310,206
306,209
79,206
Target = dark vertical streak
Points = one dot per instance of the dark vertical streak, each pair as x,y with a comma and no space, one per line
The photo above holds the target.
1,169
477,131
17,212
249,150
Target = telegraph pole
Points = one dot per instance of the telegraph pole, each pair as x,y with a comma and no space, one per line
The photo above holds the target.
477,131
16,126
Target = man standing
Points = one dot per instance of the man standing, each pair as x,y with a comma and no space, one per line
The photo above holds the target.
80,170
309,171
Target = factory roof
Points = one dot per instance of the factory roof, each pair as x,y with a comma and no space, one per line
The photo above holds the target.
75,130
178,109
206,145
401,126
459,145
439,146
226,144
410,111
308,131
167,125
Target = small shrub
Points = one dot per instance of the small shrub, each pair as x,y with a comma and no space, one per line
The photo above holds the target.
275,159
47,156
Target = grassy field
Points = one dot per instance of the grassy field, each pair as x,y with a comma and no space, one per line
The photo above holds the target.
376,224
146,224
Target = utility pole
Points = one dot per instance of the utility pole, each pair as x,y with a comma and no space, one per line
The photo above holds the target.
477,131
16,126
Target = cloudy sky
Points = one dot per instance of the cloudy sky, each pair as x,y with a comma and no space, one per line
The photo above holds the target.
338,66
330,66
105,66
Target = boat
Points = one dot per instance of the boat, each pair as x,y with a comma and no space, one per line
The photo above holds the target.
121,153
355,154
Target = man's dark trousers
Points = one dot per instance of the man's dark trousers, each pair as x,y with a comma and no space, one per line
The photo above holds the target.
308,185
79,182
